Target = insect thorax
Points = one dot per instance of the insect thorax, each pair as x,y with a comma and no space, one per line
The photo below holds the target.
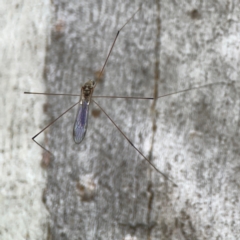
87,90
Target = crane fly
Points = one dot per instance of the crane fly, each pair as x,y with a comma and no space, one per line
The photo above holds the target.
86,96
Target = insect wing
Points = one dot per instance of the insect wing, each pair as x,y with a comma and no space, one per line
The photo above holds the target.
81,122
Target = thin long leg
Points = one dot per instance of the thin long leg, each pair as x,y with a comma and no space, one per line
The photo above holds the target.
193,88
77,95
163,174
150,98
33,138
139,98
54,94
100,74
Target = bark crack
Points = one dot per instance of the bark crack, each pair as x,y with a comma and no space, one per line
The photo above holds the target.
153,110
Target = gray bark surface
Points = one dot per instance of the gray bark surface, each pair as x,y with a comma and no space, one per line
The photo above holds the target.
24,30
102,188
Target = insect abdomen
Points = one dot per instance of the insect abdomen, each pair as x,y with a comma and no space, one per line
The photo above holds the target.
80,125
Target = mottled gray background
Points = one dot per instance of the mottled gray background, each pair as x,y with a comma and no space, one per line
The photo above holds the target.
102,188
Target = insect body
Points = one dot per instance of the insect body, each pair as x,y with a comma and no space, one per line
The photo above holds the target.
81,122
80,125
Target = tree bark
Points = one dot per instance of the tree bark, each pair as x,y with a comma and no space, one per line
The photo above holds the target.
24,30
103,188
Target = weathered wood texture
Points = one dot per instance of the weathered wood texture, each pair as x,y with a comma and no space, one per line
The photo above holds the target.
103,189
167,47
